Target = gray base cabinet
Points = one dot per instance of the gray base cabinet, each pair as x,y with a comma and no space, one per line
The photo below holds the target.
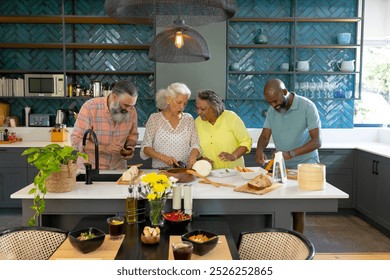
373,187
339,171
13,175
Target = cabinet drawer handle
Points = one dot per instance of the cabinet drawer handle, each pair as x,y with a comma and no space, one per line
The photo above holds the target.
376,167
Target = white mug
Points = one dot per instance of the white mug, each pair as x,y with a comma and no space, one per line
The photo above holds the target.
284,67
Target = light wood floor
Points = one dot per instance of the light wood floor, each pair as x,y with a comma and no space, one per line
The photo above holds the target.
353,256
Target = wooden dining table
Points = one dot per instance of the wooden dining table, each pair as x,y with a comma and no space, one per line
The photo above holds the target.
132,248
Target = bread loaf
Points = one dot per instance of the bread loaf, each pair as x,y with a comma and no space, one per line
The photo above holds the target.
130,173
260,182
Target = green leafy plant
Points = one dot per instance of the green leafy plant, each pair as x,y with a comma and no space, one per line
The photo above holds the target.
47,160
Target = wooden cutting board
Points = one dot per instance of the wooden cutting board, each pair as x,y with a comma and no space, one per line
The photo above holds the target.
246,189
107,251
291,174
122,182
10,142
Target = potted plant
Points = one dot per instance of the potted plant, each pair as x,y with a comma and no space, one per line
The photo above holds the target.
51,161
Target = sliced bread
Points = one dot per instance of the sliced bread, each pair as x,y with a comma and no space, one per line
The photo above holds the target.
260,182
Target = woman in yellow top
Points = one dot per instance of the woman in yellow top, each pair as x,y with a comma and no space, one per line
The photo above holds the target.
223,136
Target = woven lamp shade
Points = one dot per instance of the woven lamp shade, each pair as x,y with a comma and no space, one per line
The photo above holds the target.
164,12
163,47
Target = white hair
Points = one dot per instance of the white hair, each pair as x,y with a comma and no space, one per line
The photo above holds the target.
173,90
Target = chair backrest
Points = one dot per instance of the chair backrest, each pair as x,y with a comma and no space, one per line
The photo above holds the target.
274,244
30,243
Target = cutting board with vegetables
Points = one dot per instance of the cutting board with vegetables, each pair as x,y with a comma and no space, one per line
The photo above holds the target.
11,141
246,189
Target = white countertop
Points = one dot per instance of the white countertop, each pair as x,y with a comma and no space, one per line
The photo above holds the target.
372,140
110,190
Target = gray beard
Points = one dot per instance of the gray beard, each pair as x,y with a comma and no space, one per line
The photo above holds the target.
116,113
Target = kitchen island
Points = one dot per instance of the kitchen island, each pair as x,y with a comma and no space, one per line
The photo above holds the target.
108,198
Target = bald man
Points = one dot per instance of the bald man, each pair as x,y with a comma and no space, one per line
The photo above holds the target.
294,124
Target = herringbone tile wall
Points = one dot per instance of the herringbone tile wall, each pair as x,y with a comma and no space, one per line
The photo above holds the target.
244,92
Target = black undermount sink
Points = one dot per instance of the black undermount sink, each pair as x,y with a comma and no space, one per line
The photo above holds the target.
100,177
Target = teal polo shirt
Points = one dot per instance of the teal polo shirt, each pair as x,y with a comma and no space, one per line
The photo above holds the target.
290,129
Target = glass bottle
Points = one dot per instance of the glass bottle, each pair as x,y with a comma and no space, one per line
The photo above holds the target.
140,205
131,205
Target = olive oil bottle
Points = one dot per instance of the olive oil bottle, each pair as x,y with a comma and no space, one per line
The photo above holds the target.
135,205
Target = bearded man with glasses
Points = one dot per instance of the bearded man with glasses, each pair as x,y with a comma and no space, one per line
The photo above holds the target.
114,120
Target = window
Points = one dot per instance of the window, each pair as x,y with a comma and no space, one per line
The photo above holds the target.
374,106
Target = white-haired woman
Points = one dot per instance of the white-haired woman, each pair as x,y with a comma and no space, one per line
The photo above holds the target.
170,135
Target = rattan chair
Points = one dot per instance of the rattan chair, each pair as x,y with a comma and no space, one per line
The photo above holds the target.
274,244
30,243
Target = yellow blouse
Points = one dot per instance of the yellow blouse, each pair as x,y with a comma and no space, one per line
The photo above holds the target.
226,135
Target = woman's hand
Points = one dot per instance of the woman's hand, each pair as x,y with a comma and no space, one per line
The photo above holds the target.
170,161
224,156
191,161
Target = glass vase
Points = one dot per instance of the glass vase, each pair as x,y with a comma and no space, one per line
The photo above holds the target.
155,214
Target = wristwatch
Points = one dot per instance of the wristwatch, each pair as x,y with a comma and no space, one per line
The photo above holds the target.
292,153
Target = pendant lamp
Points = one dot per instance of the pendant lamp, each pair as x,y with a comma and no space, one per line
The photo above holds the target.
164,12
179,44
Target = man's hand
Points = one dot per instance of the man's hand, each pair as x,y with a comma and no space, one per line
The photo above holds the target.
261,157
113,148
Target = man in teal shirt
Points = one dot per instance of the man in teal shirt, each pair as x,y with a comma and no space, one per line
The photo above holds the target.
294,124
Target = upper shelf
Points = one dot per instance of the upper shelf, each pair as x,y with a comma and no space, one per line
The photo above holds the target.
69,19
87,46
264,46
296,19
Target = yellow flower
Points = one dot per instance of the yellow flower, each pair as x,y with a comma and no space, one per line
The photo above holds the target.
157,186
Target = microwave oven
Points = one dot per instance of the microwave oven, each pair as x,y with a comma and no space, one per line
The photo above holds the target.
47,85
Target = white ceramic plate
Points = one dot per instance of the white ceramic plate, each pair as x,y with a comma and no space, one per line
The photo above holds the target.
224,172
250,175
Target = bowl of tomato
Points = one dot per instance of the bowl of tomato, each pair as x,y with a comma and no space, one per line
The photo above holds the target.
177,220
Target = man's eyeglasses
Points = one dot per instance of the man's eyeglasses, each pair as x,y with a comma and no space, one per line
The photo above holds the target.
127,106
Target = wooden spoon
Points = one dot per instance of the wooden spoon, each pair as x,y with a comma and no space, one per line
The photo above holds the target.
215,184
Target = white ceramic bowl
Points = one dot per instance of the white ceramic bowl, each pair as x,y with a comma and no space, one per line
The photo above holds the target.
250,175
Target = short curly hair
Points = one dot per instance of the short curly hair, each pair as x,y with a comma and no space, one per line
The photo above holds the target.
214,101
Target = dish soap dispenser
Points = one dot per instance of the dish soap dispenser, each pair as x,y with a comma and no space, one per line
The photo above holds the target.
279,173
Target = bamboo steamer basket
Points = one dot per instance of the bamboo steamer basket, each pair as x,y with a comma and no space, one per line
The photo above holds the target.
311,176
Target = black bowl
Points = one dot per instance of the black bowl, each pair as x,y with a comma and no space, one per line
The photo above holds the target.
89,245
177,225
201,248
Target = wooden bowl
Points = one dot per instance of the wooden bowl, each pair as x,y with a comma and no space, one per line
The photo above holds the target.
180,174
150,239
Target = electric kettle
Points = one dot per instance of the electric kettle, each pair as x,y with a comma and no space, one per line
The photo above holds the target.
61,116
